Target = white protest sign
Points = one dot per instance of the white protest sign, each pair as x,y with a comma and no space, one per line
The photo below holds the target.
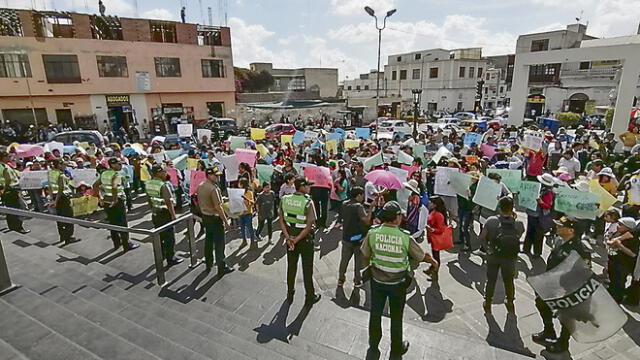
86,176
230,167
204,132
185,130
443,181
400,173
405,158
236,201
30,180
312,135
159,157
532,140
442,152
54,145
385,135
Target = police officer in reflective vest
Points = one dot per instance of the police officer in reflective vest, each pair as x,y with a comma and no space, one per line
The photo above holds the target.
110,189
161,199
297,217
61,199
10,192
387,251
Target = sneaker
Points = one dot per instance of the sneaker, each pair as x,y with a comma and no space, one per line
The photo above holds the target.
225,270
403,350
558,347
543,338
174,261
132,247
23,231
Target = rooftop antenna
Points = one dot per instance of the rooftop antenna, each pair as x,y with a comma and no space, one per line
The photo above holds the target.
210,13
579,17
201,12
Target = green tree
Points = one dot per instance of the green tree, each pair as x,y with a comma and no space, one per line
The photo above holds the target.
256,81
568,119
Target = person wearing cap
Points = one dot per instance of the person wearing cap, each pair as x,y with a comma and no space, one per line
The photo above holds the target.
61,192
297,217
622,259
356,223
162,203
215,221
109,188
387,252
10,192
567,241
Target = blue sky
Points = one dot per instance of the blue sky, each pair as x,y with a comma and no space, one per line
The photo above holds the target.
338,33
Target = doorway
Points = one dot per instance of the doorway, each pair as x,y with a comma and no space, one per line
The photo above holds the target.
64,117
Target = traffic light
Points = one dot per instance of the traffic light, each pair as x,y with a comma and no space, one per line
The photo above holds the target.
479,89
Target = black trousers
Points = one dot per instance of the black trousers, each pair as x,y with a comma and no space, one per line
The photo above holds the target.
507,267
63,208
214,237
547,320
167,237
320,197
11,198
261,223
396,294
117,215
618,272
304,250
533,237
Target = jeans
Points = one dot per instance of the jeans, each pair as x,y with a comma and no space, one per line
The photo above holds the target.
63,208
534,236
246,227
117,215
214,230
351,249
320,198
167,237
261,223
304,250
507,267
397,299
465,218
11,198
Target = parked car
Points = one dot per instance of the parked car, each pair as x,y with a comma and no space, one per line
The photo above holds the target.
88,136
446,128
396,126
449,120
463,115
222,127
273,132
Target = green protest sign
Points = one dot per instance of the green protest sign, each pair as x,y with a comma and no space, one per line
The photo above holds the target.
511,178
577,204
528,195
460,183
373,161
237,142
488,193
264,173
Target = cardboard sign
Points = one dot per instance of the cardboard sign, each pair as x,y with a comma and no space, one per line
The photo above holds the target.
402,174
471,159
298,137
196,178
532,140
192,164
264,173
173,176
373,161
31,180
180,162
236,201
286,139
172,154
443,181
258,134
384,135
511,178
84,205
334,136
159,157
311,135
488,193
528,194
419,151
488,150
230,166
460,183
247,156
204,132
237,142
332,146
262,150
320,176
351,144
442,152
87,176
605,198
185,130
54,145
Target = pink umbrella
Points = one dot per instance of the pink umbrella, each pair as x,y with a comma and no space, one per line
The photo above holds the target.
27,150
385,179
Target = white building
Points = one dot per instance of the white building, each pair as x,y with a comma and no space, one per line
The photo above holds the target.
496,91
364,86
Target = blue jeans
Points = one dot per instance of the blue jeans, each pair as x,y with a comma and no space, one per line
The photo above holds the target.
246,227
466,220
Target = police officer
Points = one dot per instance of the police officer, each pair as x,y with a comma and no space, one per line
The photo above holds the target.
61,199
162,201
110,190
10,192
297,216
387,251
566,242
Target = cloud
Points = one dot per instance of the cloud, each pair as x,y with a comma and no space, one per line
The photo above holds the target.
160,14
615,18
249,43
356,7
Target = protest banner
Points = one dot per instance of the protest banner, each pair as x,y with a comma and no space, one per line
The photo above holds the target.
373,161
84,205
172,154
236,201
528,194
173,176
237,142
311,135
487,193
511,178
363,133
351,144
460,183
230,166
472,138
185,130
320,175
298,137
86,176
332,146
443,181
31,180
488,150
192,164
264,173
202,133
196,178
532,140
286,139
262,150
404,158
605,199
258,134
442,152
400,173
247,156
577,204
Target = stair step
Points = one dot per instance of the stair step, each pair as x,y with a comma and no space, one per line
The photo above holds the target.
81,331
9,352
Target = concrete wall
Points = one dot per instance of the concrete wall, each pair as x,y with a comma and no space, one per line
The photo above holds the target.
326,79
272,97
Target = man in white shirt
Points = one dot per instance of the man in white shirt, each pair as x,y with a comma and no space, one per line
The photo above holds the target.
572,164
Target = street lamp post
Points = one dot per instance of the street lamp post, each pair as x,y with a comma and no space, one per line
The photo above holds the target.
416,111
372,13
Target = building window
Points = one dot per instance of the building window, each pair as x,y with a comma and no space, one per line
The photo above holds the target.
399,59
461,71
215,109
297,84
501,89
112,66
366,87
585,65
163,31
61,69
394,75
14,66
209,35
349,87
212,68
433,73
10,24
418,56
486,91
358,87
167,67
540,45
472,72
479,72
53,25
415,74
105,27
403,74
549,70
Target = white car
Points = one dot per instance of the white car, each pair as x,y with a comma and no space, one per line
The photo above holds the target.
396,126
446,128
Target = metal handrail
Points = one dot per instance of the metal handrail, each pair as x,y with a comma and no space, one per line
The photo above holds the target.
5,280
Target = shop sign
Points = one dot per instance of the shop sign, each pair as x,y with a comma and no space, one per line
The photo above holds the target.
536,99
117,100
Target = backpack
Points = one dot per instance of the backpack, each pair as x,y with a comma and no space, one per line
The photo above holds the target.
507,243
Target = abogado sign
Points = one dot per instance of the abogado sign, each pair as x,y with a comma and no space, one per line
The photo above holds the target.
117,100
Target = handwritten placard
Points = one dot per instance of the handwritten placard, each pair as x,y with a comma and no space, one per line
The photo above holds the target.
460,183
532,140
577,204
511,178
86,176
488,193
185,130
443,181
31,180
528,194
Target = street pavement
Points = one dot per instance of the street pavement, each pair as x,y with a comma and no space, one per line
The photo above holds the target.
453,305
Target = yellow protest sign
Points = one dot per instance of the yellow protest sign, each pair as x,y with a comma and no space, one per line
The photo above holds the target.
258,134
332,146
192,164
262,149
606,199
84,205
144,174
286,139
84,145
350,144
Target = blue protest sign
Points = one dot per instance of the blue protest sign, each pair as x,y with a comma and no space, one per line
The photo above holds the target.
298,137
334,136
363,133
472,138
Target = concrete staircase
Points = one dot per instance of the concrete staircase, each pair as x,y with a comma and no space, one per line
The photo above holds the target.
87,301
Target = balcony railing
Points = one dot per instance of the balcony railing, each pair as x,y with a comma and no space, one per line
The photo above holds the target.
606,72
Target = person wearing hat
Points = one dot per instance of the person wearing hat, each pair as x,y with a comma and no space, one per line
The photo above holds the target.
215,221
567,241
356,223
297,217
539,220
608,181
109,189
61,192
10,192
387,252
162,203
622,259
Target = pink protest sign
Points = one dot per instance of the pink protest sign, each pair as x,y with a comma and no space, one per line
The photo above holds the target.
488,150
320,176
173,176
410,169
197,178
27,150
247,156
